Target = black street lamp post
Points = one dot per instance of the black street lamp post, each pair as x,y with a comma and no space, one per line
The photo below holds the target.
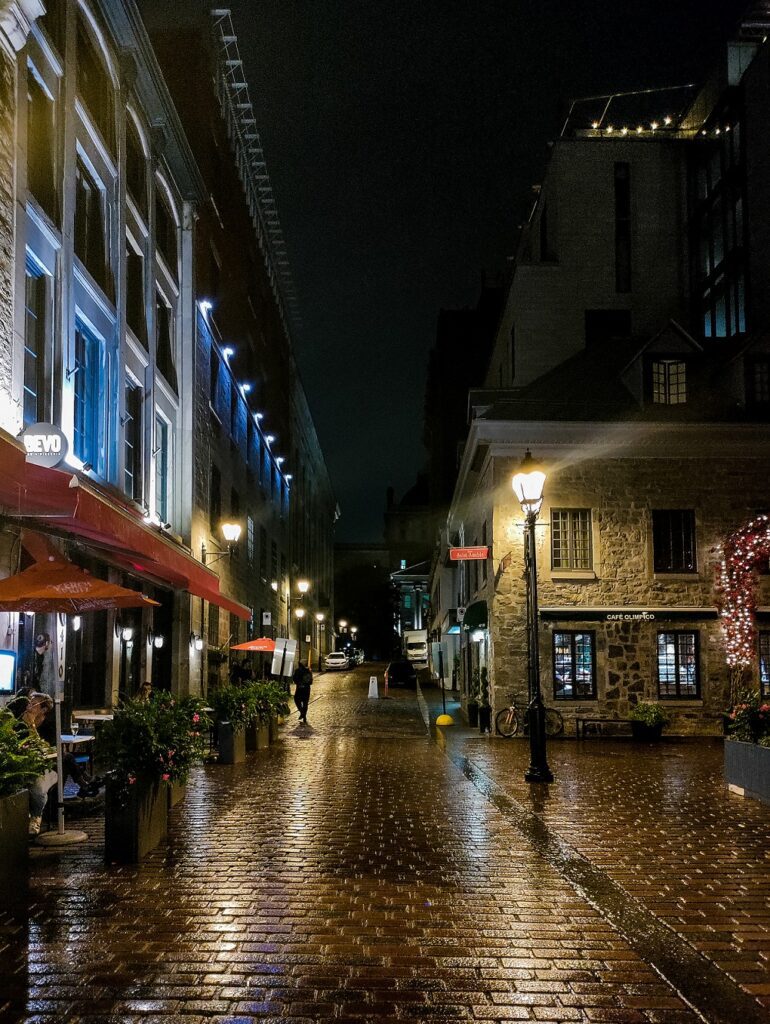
528,485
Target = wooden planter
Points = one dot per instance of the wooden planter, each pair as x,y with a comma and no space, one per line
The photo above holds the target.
646,733
14,844
263,735
135,827
747,769
177,791
250,736
232,744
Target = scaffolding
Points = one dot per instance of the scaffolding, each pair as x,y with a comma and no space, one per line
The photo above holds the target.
238,115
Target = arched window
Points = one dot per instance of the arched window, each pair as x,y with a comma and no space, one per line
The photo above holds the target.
94,84
136,167
165,229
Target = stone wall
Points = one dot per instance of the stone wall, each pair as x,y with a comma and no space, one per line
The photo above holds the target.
7,135
724,492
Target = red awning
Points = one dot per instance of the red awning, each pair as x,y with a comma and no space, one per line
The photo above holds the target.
66,504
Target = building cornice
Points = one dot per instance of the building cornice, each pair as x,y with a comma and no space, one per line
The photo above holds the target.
16,18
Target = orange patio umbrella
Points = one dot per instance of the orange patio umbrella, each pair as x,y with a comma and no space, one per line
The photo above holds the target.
261,643
60,586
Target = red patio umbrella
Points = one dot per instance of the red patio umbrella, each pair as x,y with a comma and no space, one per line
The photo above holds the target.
60,586
261,643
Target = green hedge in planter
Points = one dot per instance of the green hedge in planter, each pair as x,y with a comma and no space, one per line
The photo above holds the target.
22,755
157,740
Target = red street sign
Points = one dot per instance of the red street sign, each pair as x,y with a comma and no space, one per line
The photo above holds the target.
468,554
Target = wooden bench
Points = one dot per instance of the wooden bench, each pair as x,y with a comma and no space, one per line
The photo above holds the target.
582,722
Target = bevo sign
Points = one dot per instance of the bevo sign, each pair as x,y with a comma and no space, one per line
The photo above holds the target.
45,444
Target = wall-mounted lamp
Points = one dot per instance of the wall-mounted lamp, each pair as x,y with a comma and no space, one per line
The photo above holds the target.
127,634
274,585
196,641
155,639
228,352
205,306
270,438
259,416
303,586
245,388
300,613
76,622
280,460
288,476
231,533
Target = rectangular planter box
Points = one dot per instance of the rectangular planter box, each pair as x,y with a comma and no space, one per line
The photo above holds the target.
747,769
14,844
176,793
250,735
273,727
263,736
232,744
133,829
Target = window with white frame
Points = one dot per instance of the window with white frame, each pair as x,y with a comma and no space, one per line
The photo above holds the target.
136,306
132,440
41,148
90,395
571,538
162,469
37,326
669,382
91,228
165,330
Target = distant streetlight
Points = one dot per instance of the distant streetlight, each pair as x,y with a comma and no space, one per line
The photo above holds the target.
300,615
528,486
343,624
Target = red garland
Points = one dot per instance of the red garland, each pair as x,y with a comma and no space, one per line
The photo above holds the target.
737,589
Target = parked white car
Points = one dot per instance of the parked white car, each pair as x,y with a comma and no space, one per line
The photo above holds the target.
336,660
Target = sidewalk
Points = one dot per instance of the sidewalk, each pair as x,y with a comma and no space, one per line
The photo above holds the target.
659,832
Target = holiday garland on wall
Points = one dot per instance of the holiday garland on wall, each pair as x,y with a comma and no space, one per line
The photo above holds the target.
741,554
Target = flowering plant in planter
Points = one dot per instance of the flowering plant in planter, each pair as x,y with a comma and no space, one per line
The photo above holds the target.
22,755
749,719
270,699
157,740
236,703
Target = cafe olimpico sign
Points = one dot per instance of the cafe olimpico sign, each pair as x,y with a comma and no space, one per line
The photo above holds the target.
45,444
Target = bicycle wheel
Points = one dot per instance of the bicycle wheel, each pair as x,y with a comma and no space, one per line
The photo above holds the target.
507,722
554,723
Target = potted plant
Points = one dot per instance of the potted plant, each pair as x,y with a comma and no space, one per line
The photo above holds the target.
149,746
22,760
235,709
485,711
747,748
473,700
647,720
271,702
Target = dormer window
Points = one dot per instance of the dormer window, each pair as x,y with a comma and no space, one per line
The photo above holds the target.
669,382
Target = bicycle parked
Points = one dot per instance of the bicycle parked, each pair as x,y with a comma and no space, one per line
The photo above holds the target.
510,720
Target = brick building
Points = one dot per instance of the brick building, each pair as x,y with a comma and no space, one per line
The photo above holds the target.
632,359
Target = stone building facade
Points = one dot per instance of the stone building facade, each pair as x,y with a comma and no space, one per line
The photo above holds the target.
633,359
146,319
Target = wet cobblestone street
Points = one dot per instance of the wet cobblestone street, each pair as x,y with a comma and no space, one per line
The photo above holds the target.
354,872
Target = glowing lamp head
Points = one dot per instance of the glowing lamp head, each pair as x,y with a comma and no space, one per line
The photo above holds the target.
127,634
528,485
319,616
245,388
343,624
76,623
228,352
158,641
280,460
199,643
300,613
303,586
259,416
231,532
205,306
270,438
274,586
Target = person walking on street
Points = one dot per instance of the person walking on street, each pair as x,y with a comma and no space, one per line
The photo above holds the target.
303,680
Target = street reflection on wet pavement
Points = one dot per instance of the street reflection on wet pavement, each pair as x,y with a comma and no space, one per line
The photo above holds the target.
351,872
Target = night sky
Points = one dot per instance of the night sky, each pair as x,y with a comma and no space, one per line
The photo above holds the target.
402,139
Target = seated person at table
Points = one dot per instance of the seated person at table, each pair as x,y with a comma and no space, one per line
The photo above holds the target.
30,708
36,711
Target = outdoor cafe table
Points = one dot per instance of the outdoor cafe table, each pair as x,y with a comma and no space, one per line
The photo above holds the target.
86,743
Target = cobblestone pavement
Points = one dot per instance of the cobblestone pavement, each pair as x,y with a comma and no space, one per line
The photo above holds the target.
660,822
351,872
